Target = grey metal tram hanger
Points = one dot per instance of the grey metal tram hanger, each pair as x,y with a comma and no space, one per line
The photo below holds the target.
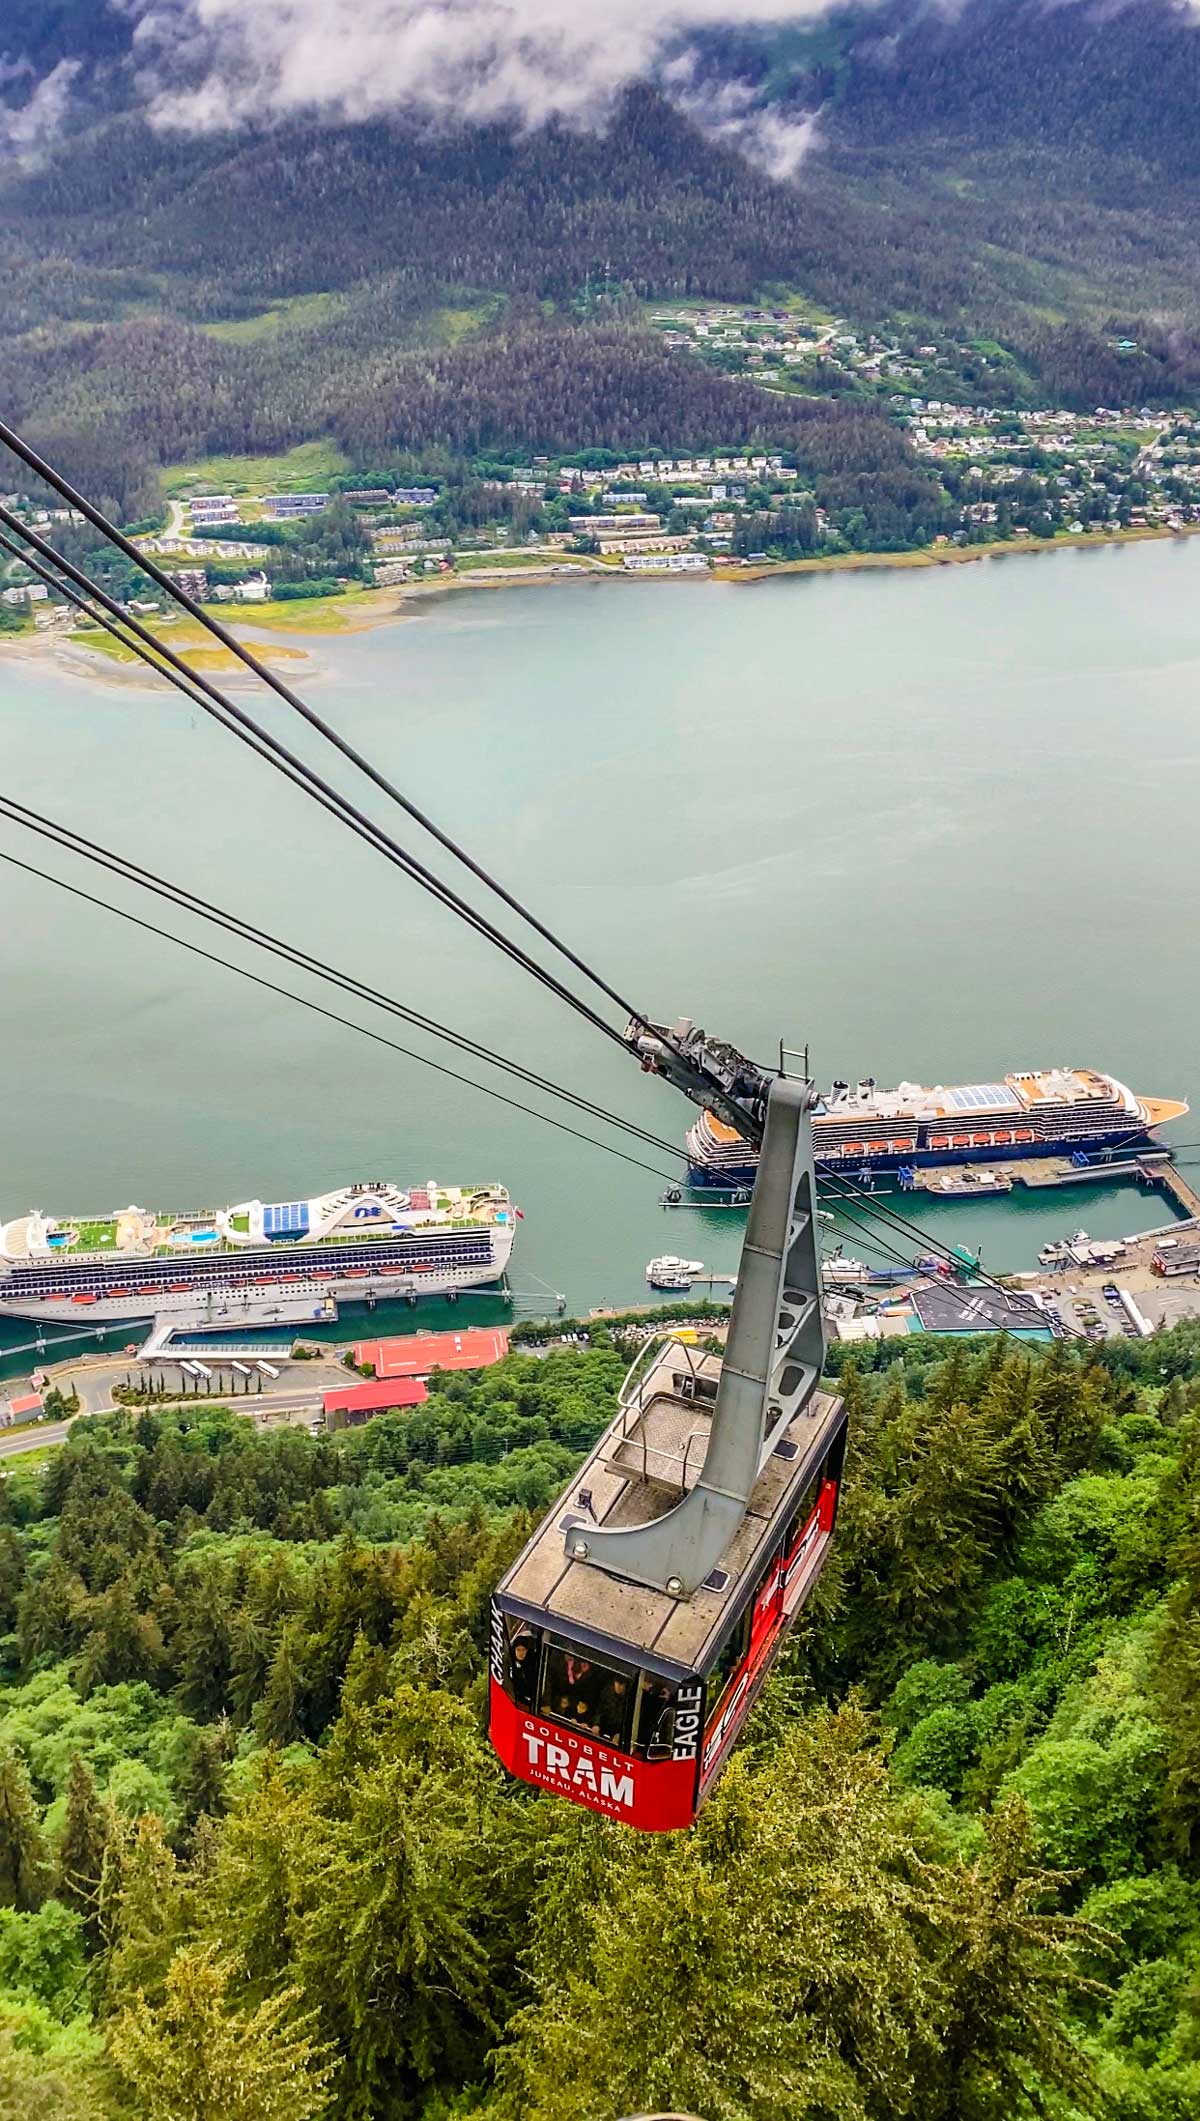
774,1355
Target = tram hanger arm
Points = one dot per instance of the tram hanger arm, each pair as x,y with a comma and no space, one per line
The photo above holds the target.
774,1356
712,1074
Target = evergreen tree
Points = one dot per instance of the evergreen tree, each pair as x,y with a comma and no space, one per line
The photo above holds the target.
82,1848
1007,1964
278,1715
12,1572
201,1784
197,2056
145,1910
24,1871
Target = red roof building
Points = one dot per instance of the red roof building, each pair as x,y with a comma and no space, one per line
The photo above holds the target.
419,1354
355,1402
21,1409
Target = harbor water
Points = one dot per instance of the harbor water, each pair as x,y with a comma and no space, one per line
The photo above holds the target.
935,824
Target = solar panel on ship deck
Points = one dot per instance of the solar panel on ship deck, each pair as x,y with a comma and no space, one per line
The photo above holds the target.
286,1219
980,1097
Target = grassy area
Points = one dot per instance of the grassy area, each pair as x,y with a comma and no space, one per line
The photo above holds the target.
305,469
341,614
469,562
348,613
95,1236
291,311
448,326
193,643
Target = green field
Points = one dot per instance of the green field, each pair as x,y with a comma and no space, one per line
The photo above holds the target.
304,469
471,562
293,310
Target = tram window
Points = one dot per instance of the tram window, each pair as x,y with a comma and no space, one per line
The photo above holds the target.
728,1661
654,1738
807,1504
589,1696
524,1643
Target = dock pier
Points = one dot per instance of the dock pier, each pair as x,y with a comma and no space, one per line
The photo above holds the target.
1171,1179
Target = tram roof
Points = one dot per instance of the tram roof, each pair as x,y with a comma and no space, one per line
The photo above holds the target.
649,1627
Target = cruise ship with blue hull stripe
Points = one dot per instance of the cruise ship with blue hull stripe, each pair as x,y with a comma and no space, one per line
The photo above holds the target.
1033,1113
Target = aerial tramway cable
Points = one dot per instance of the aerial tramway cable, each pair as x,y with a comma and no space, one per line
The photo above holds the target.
129,871
74,499
306,1002
225,711
72,842
839,1188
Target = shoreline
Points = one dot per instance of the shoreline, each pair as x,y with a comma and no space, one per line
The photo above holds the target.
89,653
955,555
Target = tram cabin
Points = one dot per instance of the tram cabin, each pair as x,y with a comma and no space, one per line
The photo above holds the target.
625,1698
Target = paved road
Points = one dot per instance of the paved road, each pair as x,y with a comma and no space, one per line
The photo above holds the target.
14,1441
296,1407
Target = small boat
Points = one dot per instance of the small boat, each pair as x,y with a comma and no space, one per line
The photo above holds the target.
845,1273
671,1272
961,1185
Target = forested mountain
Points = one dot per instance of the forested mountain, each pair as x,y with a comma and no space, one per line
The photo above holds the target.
257,1860
1005,168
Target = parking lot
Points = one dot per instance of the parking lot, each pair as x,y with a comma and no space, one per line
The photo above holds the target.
1090,1310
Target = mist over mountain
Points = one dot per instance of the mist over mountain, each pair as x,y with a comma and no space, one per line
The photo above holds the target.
1078,73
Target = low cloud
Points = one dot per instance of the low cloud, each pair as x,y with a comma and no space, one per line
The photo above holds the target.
31,128
211,64
776,140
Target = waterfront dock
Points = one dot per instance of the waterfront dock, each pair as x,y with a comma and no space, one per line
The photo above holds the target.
1150,1168
1181,1189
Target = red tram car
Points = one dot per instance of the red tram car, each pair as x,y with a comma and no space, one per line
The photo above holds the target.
628,1698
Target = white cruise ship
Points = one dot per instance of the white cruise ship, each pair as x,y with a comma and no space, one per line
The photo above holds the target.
1035,1112
368,1240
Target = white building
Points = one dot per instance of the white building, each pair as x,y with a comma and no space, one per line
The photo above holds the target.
665,562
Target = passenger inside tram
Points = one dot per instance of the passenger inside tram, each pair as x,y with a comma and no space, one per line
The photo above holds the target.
522,1668
613,1709
656,1719
605,1701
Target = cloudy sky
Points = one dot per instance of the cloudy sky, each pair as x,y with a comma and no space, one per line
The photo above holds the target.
523,60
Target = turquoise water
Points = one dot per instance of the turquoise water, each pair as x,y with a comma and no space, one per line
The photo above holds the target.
937,824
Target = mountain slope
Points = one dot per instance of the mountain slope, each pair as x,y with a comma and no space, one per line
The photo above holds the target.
994,173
